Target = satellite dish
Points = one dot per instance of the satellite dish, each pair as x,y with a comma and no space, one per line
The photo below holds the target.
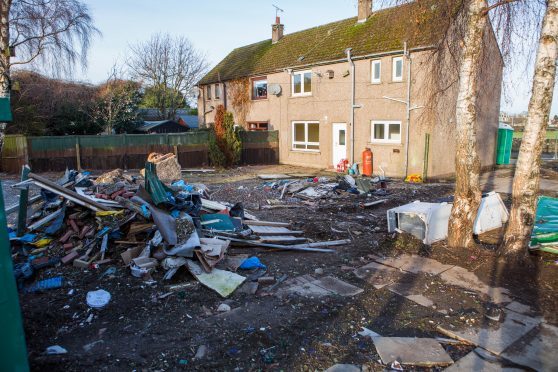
274,89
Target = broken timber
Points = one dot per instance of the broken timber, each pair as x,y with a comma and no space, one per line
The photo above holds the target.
67,194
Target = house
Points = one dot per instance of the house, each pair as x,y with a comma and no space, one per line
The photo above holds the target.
333,90
161,126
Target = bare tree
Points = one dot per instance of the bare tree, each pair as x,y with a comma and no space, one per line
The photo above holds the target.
167,64
56,33
527,174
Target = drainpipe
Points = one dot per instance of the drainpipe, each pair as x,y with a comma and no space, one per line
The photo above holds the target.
352,123
225,95
408,56
203,100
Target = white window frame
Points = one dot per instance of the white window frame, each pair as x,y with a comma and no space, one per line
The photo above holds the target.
208,92
302,92
386,124
215,89
306,143
393,69
379,79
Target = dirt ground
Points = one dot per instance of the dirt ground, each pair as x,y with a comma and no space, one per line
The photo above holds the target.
146,328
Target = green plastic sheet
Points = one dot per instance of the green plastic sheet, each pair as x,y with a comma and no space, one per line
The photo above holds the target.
545,231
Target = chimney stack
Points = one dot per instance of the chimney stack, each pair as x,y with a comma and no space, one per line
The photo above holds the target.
277,30
364,10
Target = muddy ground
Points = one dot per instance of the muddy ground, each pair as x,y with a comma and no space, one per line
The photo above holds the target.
145,328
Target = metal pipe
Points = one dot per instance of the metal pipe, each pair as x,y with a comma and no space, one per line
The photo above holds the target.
408,56
352,122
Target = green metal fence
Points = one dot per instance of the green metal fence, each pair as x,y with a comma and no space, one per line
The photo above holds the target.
127,151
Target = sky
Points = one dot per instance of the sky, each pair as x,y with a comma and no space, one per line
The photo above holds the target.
217,26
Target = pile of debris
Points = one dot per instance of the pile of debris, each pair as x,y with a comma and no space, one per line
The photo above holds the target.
316,188
144,223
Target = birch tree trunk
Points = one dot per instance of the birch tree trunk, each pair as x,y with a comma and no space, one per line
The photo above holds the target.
4,58
4,48
527,172
467,162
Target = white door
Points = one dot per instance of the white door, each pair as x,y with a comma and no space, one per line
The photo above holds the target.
339,142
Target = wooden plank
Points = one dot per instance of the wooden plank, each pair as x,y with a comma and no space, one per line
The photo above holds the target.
284,239
68,194
271,230
268,223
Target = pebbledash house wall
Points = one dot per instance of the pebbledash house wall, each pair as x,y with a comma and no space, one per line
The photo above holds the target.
330,102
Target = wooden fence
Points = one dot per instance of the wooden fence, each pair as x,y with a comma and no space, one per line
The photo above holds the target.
126,151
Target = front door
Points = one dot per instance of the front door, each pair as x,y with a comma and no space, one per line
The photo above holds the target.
339,142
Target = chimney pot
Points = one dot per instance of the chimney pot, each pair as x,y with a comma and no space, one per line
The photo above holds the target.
364,10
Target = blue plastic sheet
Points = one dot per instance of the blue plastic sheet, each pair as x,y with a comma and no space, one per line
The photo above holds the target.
252,263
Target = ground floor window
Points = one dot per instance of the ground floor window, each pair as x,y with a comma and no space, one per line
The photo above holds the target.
258,125
386,131
306,135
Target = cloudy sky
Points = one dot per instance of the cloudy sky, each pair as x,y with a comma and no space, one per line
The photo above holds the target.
218,26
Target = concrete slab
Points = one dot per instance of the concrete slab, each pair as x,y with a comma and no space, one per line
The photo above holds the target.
421,300
520,308
343,368
536,350
499,338
337,286
420,352
419,264
473,362
378,275
463,278
309,286
367,270
395,262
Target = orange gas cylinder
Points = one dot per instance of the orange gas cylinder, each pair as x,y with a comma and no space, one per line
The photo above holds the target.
367,158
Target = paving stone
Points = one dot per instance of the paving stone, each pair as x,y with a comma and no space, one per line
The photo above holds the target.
520,308
421,300
419,264
395,262
343,368
337,286
420,352
367,270
473,362
536,350
309,286
463,278
499,338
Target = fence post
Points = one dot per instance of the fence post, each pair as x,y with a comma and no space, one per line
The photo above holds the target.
23,197
125,160
78,155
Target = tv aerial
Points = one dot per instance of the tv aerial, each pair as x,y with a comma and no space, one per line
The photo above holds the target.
277,10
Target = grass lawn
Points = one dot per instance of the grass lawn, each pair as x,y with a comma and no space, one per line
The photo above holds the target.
550,134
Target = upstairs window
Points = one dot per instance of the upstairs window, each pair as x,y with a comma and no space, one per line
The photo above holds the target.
376,71
258,126
306,136
208,92
302,83
259,88
397,69
386,131
217,91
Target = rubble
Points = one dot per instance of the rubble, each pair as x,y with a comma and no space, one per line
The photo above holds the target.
151,227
